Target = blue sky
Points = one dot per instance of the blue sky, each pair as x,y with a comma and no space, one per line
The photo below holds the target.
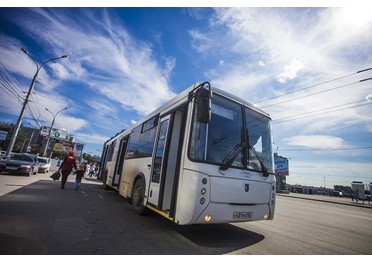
125,62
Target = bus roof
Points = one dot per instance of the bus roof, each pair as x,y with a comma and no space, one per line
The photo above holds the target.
182,97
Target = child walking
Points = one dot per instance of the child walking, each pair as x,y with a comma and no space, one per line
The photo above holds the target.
79,176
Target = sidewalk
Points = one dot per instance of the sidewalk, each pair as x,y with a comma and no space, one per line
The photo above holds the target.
329,199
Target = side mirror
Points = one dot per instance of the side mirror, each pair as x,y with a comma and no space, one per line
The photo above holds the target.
204,105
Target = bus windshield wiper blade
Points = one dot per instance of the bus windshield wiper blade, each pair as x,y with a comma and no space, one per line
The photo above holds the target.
263,167
230,157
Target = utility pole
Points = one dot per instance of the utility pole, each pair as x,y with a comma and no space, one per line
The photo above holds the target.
19,121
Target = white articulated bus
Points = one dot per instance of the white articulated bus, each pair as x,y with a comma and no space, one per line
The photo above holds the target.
203,157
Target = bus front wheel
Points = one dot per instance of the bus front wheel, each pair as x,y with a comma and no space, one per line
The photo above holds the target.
138,196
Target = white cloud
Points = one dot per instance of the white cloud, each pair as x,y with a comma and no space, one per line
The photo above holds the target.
315,141
71,124
102,52
369,98
277,35
302,36
290,71
200,42
59,70
91,137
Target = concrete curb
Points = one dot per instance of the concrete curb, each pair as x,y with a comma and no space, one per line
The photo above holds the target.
305,197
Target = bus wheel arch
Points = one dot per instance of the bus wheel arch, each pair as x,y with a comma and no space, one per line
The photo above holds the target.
138,194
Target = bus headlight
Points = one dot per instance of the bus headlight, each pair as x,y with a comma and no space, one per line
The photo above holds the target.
266,216
203,191
202,200
207,218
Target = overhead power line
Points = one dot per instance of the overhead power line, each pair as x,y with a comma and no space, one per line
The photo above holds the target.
95,111
327,149
316,93
315,85
9,82
319,112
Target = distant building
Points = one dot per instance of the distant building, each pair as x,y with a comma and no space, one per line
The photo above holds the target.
343,190
310,190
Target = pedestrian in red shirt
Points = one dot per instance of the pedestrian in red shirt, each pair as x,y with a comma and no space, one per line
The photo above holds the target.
66,168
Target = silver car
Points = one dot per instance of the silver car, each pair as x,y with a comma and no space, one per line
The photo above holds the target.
18,164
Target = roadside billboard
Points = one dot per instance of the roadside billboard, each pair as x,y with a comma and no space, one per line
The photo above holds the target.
63,146
56,133
3,134
281,165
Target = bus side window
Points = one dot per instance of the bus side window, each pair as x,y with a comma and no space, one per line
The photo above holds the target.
141,144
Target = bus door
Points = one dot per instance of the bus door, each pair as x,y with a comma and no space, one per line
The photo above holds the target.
102,170
158,161
120,161
164,174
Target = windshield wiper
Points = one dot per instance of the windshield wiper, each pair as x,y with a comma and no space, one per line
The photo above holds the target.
264,169
230,157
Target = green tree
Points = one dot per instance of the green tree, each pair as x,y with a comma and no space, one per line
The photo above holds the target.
20,140
88,157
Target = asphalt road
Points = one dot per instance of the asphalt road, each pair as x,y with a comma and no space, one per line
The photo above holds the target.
37,217
303,227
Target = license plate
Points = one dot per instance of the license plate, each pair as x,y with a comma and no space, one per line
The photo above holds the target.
242,215
11,168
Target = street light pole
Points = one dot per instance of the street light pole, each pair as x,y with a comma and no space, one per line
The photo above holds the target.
19,121
51,127
32,135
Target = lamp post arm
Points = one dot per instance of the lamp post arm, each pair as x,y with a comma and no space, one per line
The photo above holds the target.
51,127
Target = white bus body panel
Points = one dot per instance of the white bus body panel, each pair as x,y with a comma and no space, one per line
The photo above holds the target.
230,190
132,168
224,196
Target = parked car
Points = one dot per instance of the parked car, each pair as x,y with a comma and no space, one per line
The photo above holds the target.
44,164
37,164
17,164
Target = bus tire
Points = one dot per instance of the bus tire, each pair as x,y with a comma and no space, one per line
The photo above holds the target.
104,182
138,196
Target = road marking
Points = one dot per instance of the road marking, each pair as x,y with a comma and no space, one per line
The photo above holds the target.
100,196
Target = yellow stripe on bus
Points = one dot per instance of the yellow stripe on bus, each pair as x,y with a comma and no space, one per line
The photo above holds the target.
160,212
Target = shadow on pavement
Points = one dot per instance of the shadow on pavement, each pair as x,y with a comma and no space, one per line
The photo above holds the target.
222,238
43,219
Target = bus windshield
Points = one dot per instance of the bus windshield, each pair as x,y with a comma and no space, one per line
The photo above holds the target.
233,127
